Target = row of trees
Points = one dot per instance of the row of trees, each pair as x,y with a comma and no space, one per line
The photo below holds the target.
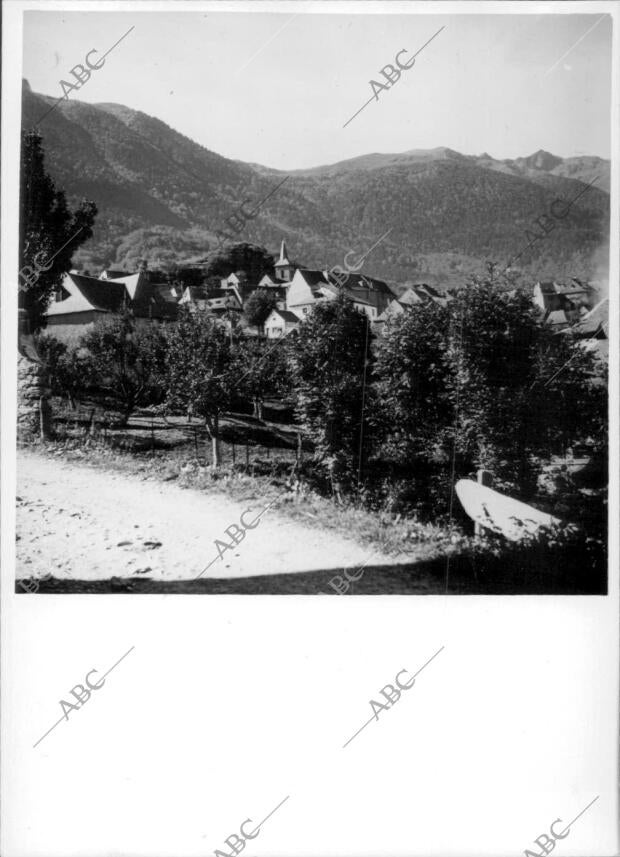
480,382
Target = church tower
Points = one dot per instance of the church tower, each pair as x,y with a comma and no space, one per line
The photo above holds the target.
284,269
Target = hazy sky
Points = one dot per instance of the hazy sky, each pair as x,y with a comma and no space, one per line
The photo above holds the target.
276,89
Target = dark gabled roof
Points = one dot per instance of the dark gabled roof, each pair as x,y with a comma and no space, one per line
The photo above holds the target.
154,300
111,274
104,295
363,281
287,315
547,288
221,293
196,293
312,277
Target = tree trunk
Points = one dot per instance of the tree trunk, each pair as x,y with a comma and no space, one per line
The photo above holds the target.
213,430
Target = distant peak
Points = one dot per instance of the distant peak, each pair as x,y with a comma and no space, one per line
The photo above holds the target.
542,160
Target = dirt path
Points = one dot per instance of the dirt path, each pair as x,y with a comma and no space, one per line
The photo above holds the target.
78,522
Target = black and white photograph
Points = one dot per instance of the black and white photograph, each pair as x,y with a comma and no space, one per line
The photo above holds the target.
273,340
310,298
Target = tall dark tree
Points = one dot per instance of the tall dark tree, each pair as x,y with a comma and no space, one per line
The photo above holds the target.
332,372
252,259
258,307
485,383
49,232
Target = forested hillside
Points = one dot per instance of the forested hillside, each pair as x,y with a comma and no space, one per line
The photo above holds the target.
162,197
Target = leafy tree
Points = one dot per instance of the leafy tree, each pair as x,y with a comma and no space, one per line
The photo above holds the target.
258,306
412,371
126,362
254,260
199,370
66,368
49,233
261,371
512,411
485,383
331,371
183,276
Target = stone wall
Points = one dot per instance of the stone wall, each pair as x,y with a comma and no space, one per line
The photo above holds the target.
31,400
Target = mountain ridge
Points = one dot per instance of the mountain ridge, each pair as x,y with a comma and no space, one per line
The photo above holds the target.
163,197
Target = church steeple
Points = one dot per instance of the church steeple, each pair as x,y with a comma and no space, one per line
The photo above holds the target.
284,269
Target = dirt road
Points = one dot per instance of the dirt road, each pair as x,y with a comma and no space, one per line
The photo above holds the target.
77,522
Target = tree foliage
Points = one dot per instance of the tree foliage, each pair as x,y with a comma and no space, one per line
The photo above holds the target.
252,259
67,371
126,362
331,369
200,374
49,233
487,383
262,371
258,307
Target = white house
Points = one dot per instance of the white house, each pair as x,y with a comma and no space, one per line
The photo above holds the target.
308,287
279,322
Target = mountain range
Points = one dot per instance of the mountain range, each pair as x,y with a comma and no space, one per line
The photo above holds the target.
162,197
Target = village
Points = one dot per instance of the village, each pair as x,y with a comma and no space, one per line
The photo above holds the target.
83,301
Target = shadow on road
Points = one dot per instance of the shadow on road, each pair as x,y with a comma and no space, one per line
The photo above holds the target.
461,576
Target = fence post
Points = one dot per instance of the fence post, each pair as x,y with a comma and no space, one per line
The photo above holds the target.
298,451
233,453
484,477
195,442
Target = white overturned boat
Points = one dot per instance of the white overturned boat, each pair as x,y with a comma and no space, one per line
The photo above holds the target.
501,514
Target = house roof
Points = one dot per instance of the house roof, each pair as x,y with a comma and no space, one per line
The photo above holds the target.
547,288
556,317
312,277
85,294
360,281
285,314
266,281
575,287
195,293
421,293
110,274
220,293
151,303
593,323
